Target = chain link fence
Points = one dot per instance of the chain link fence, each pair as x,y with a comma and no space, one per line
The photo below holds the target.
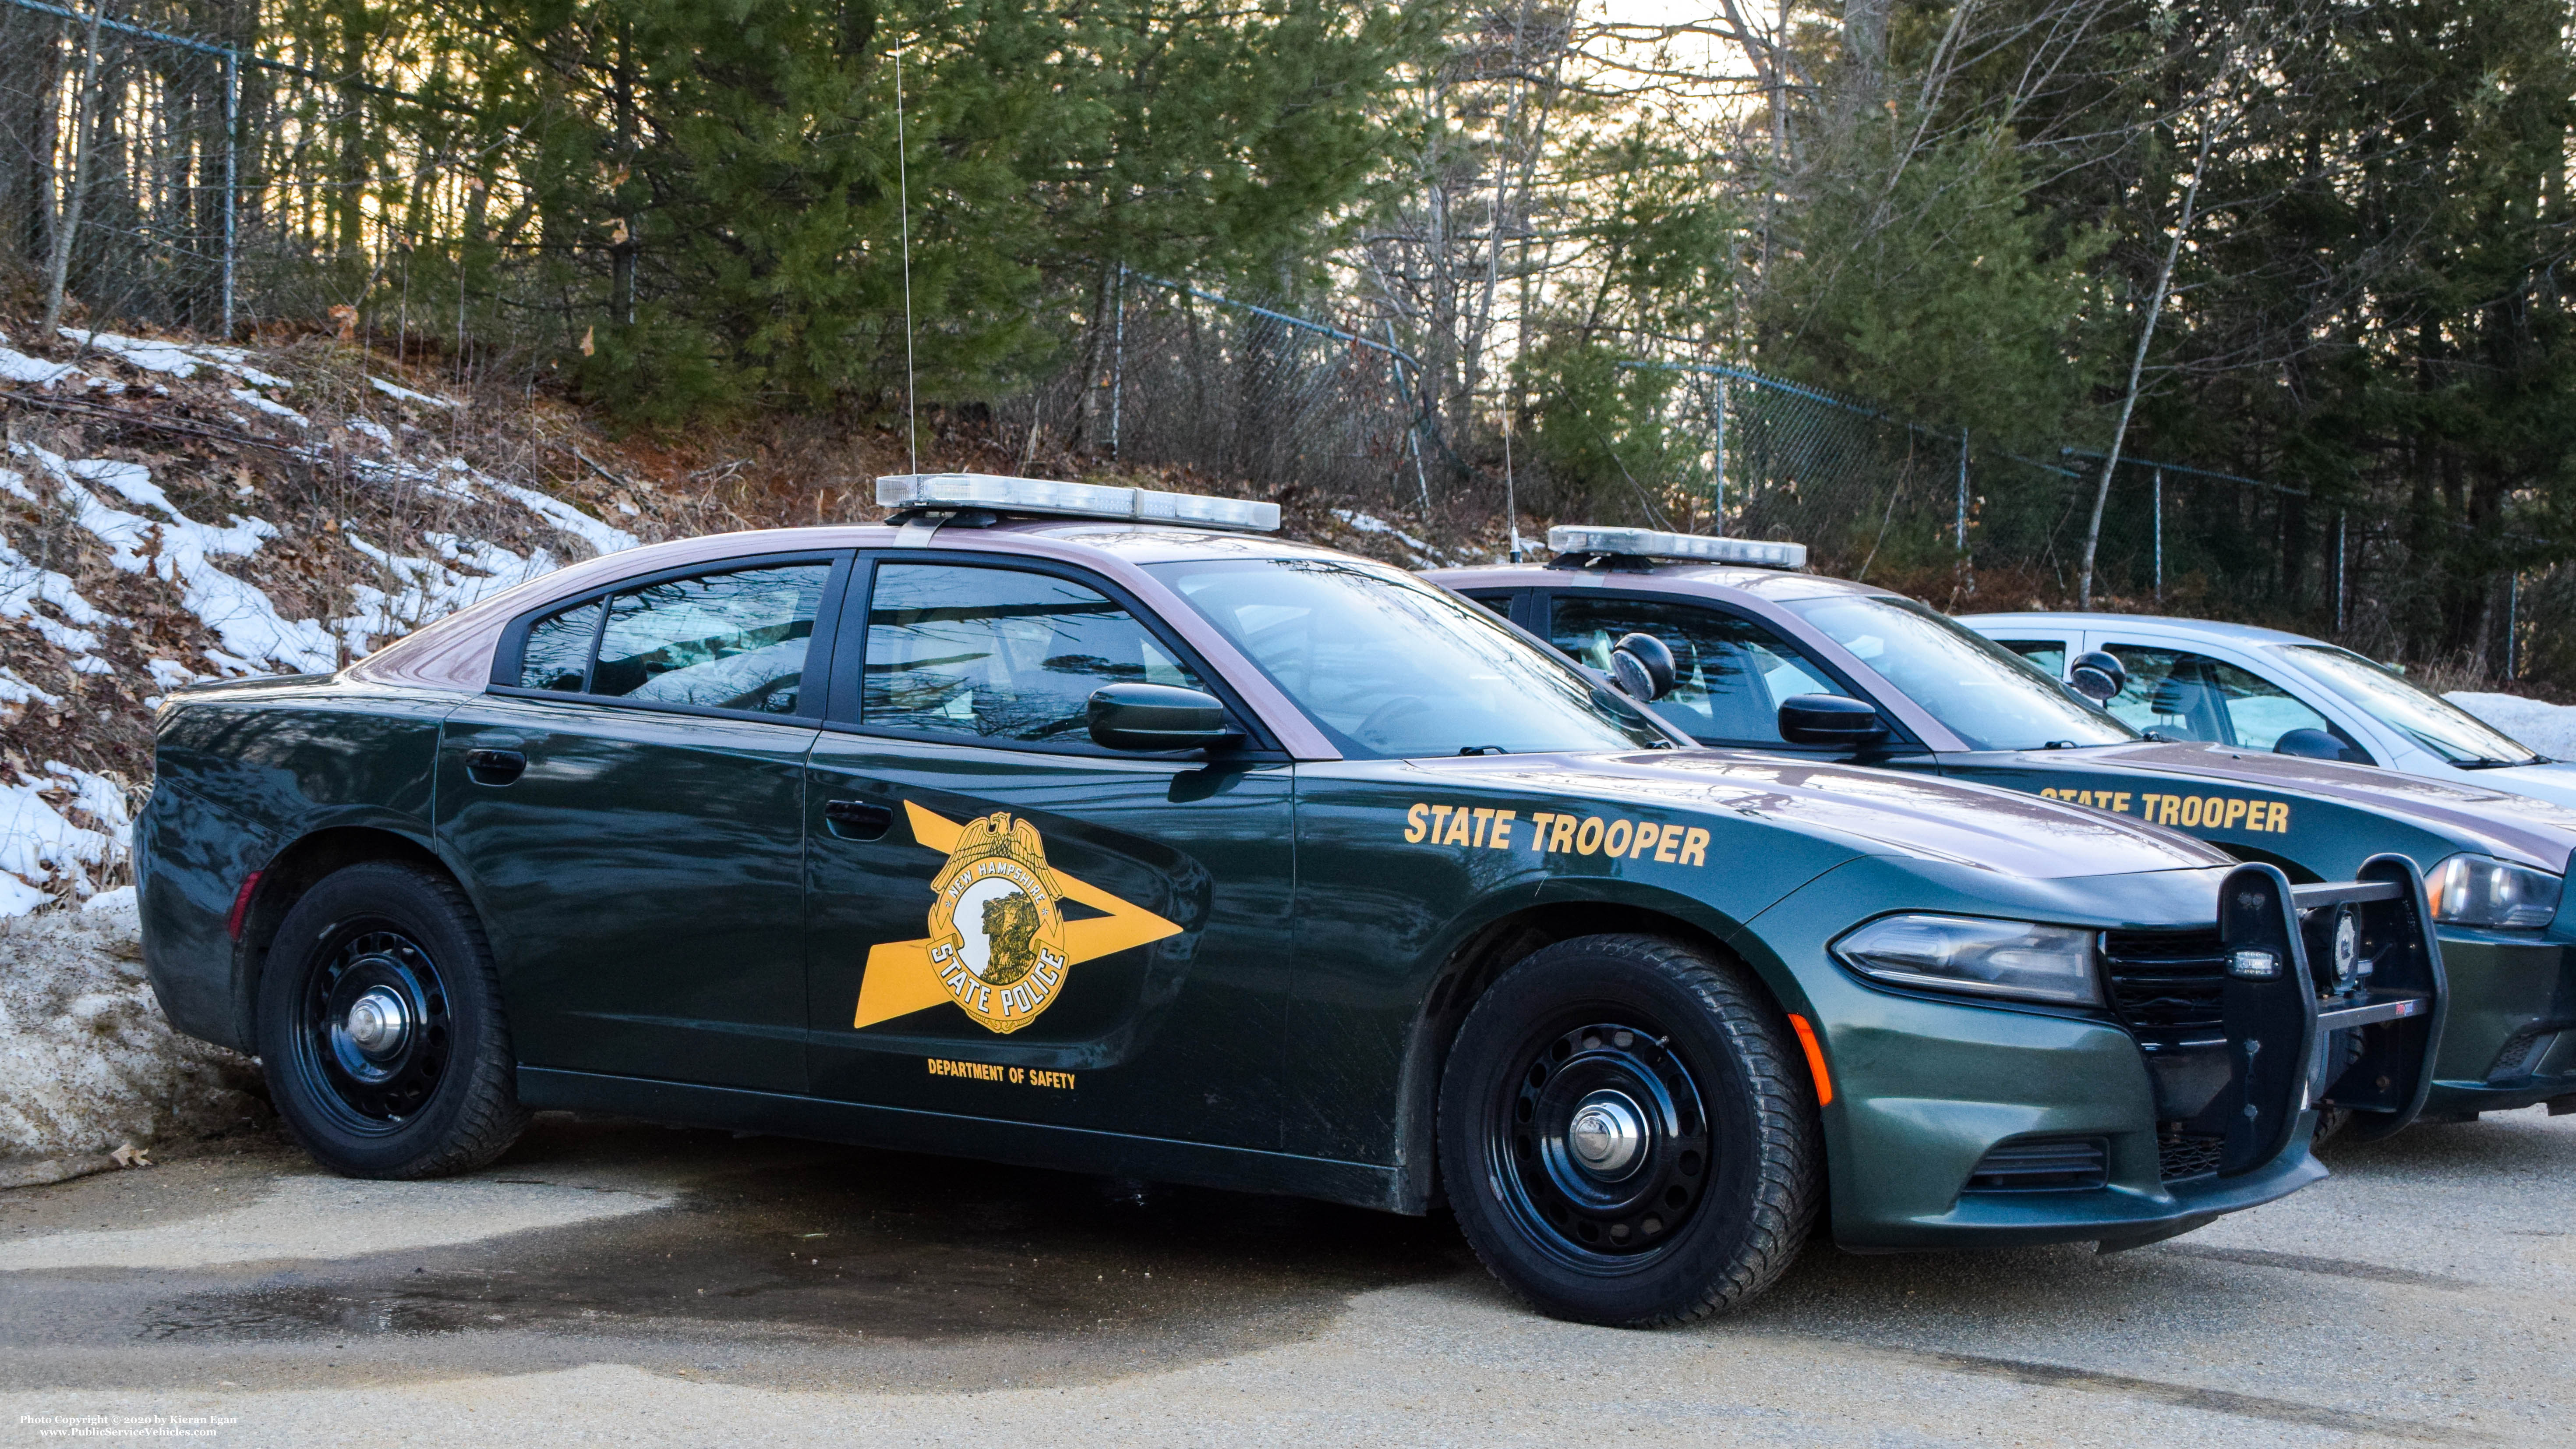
121,165
157,170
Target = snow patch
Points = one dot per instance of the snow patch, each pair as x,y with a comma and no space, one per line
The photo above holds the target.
181,551
424,590
39,847
173,359
2548,728
1424,554
250,398
169,674
87,1063
17,366
600,536
24,584
404,394
15,691
162,357
368,428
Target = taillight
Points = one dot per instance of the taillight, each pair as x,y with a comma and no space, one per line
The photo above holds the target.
241,905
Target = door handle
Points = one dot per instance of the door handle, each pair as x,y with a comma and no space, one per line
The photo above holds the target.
494,767
856,819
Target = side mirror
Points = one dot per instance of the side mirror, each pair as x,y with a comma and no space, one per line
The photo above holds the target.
1644,666
1829,719
2097,675
1155,717
2317,745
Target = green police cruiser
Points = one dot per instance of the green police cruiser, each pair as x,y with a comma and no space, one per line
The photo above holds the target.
1770,657
1090,828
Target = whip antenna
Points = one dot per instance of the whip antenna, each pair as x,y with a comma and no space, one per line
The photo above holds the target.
903,204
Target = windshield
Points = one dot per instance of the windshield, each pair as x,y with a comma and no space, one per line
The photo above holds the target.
2435,723
1986,694
1393,668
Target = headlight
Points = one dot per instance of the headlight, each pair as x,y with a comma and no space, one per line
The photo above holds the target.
2479,890
1985,958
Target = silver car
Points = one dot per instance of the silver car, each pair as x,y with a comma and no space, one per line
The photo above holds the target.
2236,684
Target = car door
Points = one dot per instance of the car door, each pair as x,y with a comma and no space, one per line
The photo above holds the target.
2183,694
1008,921
1732,671
626,805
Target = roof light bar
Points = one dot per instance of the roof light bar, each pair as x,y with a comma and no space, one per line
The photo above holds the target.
1073,500
1647,543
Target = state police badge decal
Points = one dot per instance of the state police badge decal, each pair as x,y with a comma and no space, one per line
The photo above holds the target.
999,946
996,937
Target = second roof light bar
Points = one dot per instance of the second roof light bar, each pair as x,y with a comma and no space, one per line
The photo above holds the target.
911,491
1585,539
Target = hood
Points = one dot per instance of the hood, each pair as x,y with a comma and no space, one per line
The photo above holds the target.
2554,782
2496,821
1876,812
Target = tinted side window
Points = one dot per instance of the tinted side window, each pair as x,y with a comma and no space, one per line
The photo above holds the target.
2259,711
2169,691
557,655
732,640
999,653
1734,672
2187,696
1501,604
2047,655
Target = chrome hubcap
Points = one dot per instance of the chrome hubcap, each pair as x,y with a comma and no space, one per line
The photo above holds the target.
1606,1135
378,1023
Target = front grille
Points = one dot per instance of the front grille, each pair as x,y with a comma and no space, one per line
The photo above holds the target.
2167,981
2043,1164
2180,1155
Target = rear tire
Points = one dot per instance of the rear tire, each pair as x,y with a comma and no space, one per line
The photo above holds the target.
1627,1133
381,1030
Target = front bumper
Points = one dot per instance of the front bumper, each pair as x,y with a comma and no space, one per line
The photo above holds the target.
1928,1089
2511,1036
2125,1214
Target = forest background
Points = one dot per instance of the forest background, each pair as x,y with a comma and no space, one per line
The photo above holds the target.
2246,311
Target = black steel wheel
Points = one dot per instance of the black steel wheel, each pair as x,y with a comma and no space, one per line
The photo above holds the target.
1626,1134
381,1029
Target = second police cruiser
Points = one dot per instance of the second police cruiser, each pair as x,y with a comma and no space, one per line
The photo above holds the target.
1772,657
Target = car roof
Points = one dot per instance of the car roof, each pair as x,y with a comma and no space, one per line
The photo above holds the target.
2199,628
1696,577
455,652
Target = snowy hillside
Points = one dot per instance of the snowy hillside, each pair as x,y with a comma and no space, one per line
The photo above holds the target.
124,574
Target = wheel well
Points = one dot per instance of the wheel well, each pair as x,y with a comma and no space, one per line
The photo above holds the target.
2298,874
1478,962
283,882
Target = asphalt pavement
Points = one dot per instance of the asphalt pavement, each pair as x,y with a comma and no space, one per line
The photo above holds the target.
628,1284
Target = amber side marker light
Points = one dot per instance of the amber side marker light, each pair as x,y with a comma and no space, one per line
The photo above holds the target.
1815,1059
250,882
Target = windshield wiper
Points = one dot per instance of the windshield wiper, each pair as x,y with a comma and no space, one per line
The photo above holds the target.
2487,764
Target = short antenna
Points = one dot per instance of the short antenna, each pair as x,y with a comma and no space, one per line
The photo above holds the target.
903,202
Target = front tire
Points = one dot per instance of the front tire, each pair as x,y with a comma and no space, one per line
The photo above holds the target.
1626,1133
381,1030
